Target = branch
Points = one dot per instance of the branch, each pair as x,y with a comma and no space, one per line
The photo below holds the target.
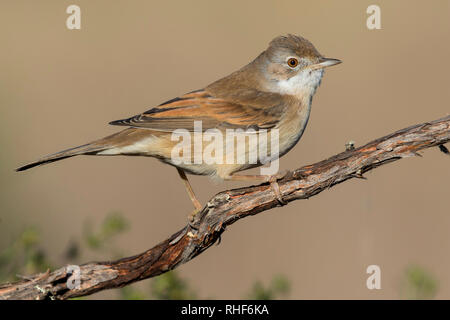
224,209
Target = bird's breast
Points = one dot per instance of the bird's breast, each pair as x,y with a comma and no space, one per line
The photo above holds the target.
293,125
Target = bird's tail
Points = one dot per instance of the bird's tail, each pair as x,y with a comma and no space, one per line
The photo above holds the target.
110,145
90,148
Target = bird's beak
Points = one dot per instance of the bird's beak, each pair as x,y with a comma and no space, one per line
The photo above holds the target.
325,62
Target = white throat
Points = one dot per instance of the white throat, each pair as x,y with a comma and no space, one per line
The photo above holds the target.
304,84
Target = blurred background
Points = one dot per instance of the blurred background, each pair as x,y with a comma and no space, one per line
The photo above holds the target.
59,88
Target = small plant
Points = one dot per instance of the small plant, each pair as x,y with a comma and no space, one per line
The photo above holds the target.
418,284
278,288
23,256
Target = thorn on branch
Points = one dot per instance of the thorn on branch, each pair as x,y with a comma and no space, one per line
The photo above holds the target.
359,175
219,240
350,145
24,277
444,149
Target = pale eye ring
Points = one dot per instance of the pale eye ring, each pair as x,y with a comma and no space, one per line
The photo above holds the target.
292,62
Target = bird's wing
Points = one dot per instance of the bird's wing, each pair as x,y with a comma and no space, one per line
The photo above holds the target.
213,112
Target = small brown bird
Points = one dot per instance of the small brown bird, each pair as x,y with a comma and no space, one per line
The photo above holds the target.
272,94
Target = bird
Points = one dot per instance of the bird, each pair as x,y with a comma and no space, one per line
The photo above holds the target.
271,95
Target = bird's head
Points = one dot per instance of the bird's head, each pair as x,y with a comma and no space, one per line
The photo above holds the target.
292,65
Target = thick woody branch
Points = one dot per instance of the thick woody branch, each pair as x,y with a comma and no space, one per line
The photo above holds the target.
226,208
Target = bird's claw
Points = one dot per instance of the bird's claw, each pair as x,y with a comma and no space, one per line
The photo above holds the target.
273,180
191,217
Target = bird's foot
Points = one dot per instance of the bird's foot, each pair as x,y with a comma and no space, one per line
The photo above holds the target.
273,180
191,217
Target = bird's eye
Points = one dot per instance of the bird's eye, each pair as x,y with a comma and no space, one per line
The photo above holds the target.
292,62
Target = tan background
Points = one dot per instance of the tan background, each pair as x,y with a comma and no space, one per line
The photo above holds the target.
59,88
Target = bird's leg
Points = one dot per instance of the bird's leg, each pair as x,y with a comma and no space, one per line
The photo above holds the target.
272,179
190,191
